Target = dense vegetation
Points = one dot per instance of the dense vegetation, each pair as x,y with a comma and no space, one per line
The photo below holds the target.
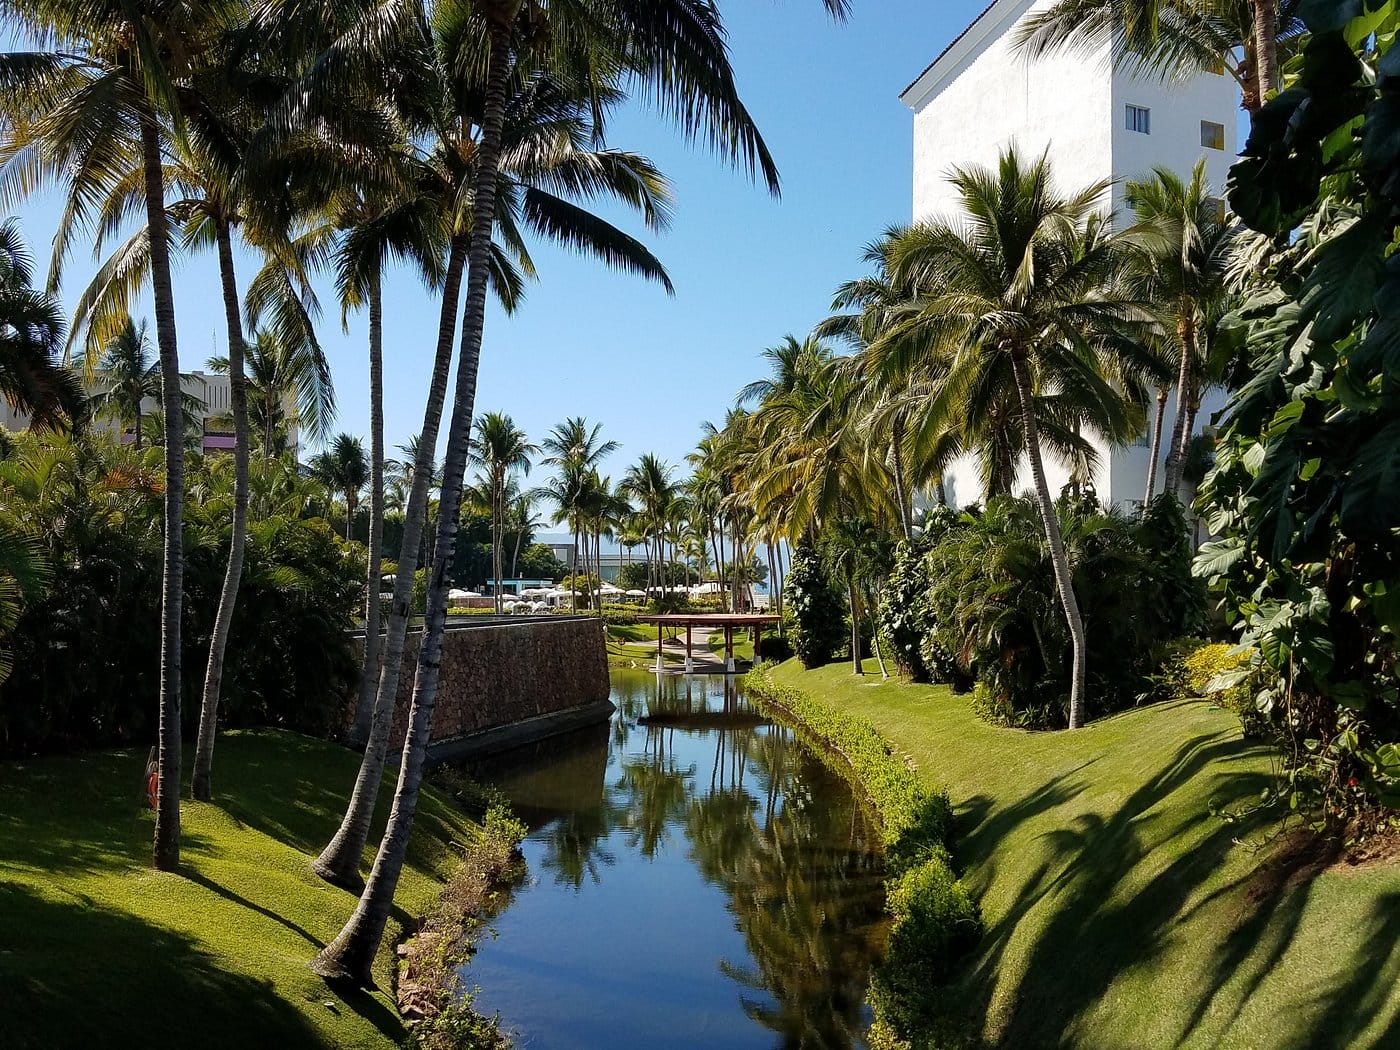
84,636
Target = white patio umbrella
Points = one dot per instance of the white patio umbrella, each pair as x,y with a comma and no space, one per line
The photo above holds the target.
636,594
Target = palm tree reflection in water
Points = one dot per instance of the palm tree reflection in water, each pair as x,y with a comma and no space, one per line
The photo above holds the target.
691,785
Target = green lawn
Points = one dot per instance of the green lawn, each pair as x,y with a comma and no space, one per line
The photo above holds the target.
98,949
743,645
1119,911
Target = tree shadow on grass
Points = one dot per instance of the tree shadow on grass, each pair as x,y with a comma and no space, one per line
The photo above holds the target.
200,879
1097,930
76,974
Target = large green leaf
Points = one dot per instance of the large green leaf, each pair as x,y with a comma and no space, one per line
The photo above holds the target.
1371,503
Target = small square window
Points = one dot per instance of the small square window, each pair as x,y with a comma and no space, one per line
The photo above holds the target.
1139,119
1212,135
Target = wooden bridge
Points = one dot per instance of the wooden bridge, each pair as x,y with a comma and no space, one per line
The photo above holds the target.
726,622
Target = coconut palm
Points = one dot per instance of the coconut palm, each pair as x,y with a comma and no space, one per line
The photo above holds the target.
650,482
128,374
100,90
289,386
31,337
1019,295
1175,40
1181,247
343,469
502,449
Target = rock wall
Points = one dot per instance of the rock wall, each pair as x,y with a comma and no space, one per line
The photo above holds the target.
505,672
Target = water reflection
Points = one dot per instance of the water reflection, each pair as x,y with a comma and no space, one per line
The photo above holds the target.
699,879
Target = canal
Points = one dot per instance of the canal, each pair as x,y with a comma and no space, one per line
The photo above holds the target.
697,878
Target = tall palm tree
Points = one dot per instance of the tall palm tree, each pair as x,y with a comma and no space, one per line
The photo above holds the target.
289,386
129,375
502,449
545,158
101,89
32,380
650,481
672,47
1181,250
1019,290
1175,39
343,468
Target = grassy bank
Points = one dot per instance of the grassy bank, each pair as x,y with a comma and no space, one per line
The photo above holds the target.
1118,911
98,949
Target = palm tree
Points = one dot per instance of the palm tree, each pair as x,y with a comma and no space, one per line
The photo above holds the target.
1175,40
577,450
650,481
543,153
502,449
129,374
1181,250
101,90
31,338
1021,291
675,48
289,385
343,468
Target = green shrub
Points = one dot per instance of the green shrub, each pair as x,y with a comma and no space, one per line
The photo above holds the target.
817,609
905,617
936,924
996,617
776,647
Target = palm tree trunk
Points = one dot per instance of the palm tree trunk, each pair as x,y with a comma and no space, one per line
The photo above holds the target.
1058,558
1186,331
1266,46
369,664
1155,453
900,489
856,667
228,595
875,639
352,953
138,426
167,831
339,862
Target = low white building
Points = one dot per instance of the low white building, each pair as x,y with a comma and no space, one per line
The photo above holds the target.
980,95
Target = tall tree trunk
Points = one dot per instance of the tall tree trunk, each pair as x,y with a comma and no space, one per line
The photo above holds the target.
167,833
1186,332
1266,46
782,584
900,489
339,862
1155,453
1058,558
351,954
369,664
228,595
138,426
854,603
875,638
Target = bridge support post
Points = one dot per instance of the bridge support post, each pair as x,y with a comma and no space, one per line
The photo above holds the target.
660,658
728,649
689,643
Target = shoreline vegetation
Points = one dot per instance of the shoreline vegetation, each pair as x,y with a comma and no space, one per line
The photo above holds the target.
94,942
1119,907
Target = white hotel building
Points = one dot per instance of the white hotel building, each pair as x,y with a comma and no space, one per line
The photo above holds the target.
980,96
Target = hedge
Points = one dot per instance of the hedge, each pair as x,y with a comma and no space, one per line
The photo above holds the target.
935,920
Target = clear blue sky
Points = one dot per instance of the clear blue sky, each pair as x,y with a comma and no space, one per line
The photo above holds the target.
747,268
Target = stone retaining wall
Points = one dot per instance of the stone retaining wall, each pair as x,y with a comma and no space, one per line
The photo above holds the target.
505,672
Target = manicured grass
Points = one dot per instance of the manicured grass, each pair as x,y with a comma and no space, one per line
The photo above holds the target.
743,645
98,949
1119,911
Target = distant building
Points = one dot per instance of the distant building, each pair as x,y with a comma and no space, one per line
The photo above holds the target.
212,391
980,96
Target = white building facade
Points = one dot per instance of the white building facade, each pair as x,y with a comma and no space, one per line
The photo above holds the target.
981,96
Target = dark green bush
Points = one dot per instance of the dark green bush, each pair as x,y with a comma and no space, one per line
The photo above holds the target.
776,647
87,646
997,619
818,611
905,617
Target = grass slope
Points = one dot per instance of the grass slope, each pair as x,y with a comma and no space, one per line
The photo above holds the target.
1119,912
98,949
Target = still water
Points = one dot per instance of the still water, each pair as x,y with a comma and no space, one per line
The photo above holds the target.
697,878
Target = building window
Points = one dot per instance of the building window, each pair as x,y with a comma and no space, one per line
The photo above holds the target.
1140,119
1212,135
